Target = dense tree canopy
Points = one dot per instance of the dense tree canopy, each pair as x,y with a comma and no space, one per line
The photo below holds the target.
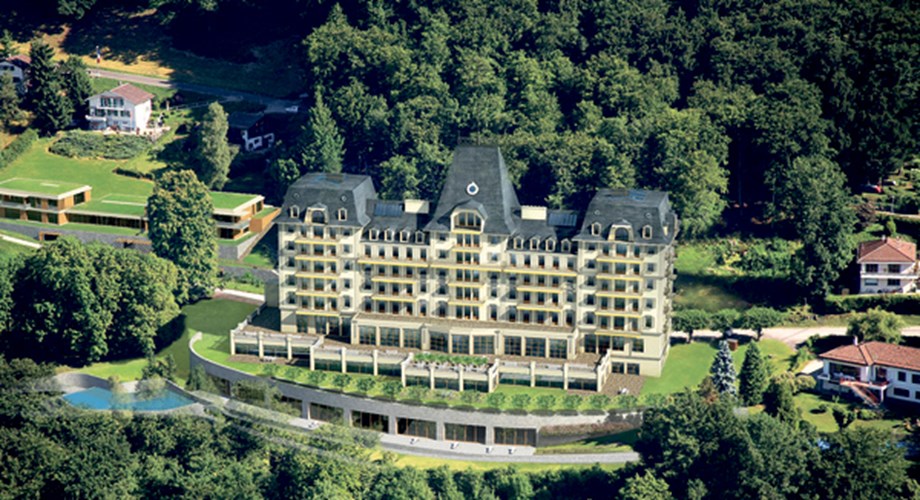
212,155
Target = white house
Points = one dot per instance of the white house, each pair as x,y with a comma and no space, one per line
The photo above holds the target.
18,66
249,131
888,265
125,107
874,371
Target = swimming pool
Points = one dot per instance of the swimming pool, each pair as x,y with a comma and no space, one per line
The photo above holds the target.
96,398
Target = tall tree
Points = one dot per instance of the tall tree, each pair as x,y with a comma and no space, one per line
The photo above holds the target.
182,231
7,45
723,371
813,196
876,324
53,110
645,487
851,463
60,305
778,401
398,178
754,376
320,145
212,154
77,85
687,156
9,100
758,318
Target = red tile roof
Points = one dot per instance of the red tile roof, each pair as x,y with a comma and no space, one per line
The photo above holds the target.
887,250
877,353
20,60
131,93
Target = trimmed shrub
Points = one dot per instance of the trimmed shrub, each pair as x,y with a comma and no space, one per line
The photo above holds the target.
804,383
896,303
17,147
79,144
821,408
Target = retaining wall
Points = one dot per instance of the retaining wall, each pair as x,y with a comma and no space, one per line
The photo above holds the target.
396,410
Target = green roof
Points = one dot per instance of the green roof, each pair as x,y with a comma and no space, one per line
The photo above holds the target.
231,201
115,204
41,187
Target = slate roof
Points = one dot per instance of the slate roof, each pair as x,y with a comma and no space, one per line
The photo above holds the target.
635,208
483,168
243,121
332,192
876,353
887,250
131,93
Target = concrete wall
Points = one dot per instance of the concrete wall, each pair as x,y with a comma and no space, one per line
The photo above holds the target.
394,410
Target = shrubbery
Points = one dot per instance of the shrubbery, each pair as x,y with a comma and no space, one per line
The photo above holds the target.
78,144
17,147
447,358
896,303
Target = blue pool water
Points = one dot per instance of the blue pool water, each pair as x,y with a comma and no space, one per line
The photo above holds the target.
103,399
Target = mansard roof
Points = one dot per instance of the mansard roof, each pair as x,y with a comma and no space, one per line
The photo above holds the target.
330,192
633,208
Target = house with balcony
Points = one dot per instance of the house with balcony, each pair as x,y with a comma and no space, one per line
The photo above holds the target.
250,131
873,371
126,108
18,66
888,265
477,273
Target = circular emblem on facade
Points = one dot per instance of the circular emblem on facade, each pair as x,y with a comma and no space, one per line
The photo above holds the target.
472,189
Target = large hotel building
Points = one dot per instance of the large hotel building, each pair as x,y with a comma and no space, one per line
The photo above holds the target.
478,273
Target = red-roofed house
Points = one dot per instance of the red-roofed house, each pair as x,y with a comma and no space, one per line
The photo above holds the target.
18,66
125,107
888,265
874,371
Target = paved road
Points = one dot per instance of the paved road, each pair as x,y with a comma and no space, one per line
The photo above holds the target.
272,104
793,336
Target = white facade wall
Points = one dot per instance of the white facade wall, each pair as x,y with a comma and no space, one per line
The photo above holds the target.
118,112
904,384
887,277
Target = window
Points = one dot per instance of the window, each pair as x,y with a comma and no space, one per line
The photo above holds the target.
438,341
596,228
295,211
915,378
647,232
534,243
318,216
460,344
638,345
389,337
558,348
483,345
649,322
902,376
512,346
535,347
343,214
900,392
566,246
894,268
412,339
632,368
894,282
871,268
621,234
367,335
650,267
870,282
467,220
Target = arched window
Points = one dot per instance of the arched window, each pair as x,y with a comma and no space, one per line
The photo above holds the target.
621,234
318,216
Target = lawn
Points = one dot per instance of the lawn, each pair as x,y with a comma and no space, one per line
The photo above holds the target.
610,443
8,249
688,364
265,253
216,316
807,403
136,42
460,465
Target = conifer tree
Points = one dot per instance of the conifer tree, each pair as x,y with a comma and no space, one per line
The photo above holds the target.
212,155
778,401
9,100
321,144
723,371
53,111
754,376
77,85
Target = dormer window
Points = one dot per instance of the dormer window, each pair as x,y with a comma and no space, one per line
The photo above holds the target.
419,237
343,214
596,228
374,234
518,243
621,233
388,235
295,211
550,245
404,236
468,220
534,243
647,232
566,246
318,216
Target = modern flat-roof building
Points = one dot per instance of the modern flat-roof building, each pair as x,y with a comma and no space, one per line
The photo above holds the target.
53,202
477,272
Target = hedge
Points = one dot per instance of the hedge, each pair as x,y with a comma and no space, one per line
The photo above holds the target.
894,302
17,147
